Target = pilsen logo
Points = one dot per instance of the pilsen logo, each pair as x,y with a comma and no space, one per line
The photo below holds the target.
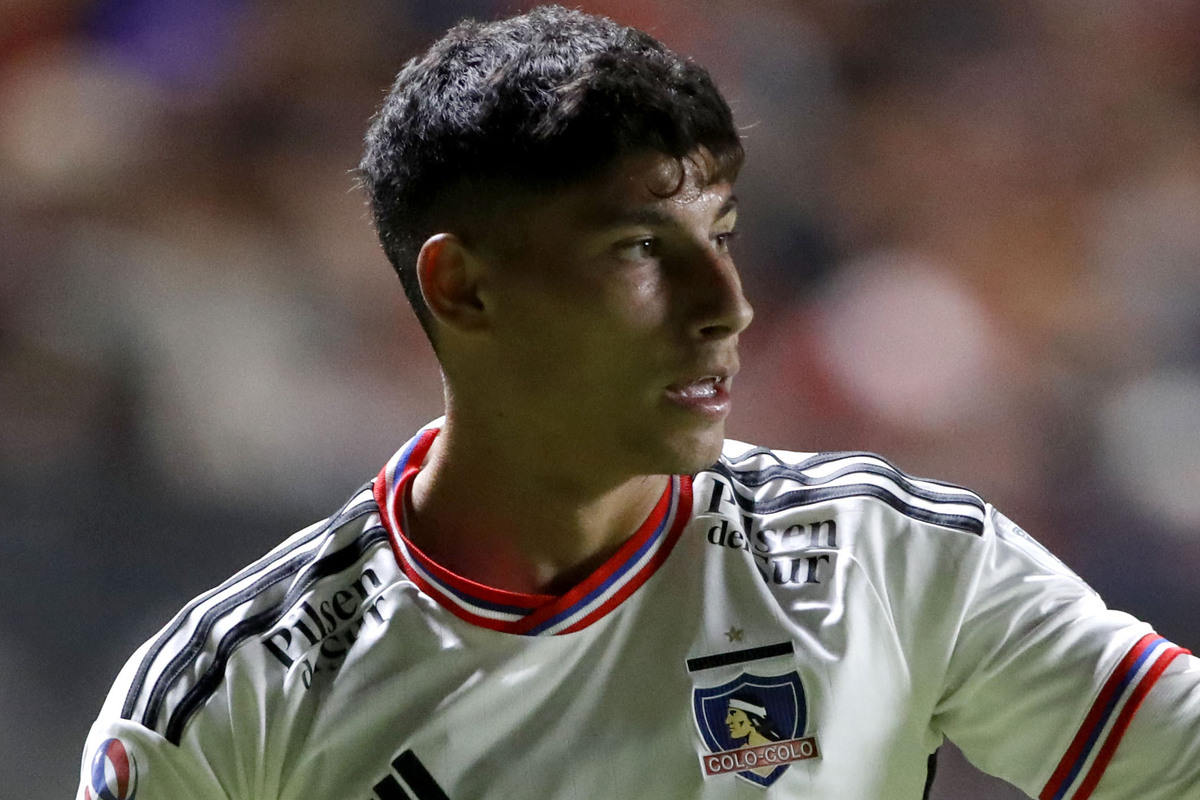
317,634
754,727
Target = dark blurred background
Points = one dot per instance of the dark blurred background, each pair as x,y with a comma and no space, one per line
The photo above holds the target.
971,232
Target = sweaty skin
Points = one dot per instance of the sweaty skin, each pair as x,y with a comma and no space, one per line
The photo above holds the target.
582,368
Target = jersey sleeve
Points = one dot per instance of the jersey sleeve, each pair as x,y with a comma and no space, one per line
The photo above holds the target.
1161,746
123,758
1060,695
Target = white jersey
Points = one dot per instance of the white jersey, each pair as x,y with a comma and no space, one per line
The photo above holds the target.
783,625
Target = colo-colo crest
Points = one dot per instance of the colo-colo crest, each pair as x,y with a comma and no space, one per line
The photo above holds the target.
754,726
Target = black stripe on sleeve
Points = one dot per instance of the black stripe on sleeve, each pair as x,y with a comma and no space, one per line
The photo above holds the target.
195,646
258,624
754,453
819,494
796,473
138,685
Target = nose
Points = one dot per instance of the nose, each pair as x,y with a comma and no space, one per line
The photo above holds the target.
714,303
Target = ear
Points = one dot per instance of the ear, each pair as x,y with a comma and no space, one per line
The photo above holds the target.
449,275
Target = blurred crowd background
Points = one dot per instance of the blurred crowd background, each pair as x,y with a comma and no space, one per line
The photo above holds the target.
971,232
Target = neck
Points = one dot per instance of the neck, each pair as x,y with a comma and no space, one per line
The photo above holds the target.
505,515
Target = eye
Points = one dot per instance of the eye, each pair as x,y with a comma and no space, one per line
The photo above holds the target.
639,248
721,241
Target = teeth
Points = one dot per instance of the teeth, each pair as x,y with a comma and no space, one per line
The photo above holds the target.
707,387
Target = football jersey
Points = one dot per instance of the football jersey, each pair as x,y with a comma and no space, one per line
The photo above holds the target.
782,625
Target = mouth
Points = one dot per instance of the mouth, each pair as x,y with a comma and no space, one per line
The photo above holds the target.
707,395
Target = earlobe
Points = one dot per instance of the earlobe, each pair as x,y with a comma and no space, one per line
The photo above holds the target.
449,275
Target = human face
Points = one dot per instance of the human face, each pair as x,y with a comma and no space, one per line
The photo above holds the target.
616,312
738,723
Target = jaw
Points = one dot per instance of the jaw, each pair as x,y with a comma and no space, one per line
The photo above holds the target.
681,449
703,450
587,437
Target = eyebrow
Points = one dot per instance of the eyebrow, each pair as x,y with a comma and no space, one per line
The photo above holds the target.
728,207
653,216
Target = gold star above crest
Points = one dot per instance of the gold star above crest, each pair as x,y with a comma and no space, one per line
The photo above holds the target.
734,634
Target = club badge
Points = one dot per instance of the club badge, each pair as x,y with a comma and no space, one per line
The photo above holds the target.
754,726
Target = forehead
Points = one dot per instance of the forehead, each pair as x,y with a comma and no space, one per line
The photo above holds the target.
642,188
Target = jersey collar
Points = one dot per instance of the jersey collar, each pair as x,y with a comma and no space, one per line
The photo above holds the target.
530,614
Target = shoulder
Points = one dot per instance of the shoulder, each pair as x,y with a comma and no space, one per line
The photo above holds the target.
761,480
172,676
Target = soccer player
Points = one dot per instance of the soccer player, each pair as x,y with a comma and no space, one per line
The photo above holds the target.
571,587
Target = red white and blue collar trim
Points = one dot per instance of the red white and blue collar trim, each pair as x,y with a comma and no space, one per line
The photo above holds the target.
530,614
1093,746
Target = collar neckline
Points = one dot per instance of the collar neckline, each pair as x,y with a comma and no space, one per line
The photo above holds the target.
515,612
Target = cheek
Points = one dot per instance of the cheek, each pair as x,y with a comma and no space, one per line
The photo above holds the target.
603,316
585,333
555,347
640,297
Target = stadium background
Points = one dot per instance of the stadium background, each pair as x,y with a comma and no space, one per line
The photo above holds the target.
971,234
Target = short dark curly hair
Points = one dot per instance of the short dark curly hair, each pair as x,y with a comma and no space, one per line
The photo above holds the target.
495,110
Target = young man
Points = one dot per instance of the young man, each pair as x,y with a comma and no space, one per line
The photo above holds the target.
572,586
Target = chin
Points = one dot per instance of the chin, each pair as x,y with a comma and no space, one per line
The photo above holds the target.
668,449
698,451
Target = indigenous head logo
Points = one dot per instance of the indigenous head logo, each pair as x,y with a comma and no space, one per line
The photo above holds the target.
113,773
754,726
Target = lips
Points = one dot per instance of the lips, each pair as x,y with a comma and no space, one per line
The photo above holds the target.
706,395
699,388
